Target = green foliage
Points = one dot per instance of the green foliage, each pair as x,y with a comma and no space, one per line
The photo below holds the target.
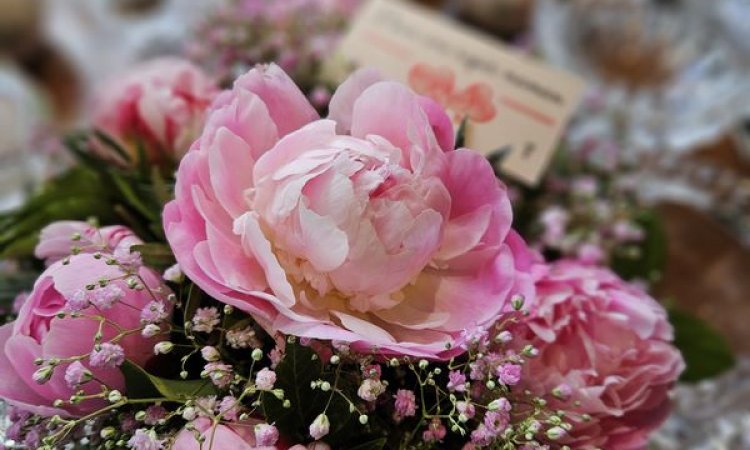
376,444
155,255
299,368
113,194
461,134
141,384
706,352
74,195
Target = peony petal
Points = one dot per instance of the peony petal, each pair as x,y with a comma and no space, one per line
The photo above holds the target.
287,105
13,388
364,329
255,244
326,246
231,167
373,114
464,233
341,106
247,117
291,147
440,122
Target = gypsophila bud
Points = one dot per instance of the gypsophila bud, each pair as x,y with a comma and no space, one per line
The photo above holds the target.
43,374
504,337
555,433
114,396
189,413
423,364
150,330
517,301
363,419
319,427
162,348
210,354
257,354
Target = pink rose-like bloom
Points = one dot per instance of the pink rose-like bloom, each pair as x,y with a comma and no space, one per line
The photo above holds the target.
39,333
56,240
366,228
605,344
160,103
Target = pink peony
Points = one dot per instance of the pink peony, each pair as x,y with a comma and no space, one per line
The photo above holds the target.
58,239
607,345
366,227
160,104
39,333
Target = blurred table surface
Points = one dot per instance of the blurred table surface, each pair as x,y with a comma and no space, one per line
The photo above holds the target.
708,271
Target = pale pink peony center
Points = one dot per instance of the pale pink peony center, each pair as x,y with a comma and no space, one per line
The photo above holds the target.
350,226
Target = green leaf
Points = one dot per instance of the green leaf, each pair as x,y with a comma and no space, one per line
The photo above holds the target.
155,255
141,384
76,194
299,367
162,191
114,145
706,352
194,296
461,133
377,444
295,372
128,192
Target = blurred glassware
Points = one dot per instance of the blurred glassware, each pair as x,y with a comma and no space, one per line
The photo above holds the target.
711,415
664,66
734,16
103,38
19,112
505,18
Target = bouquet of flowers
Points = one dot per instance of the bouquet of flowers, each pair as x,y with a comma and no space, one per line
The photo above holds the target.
347,282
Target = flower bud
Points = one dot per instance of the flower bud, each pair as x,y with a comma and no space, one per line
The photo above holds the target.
517,301
115,396
555,433
319,427
162,348
43,374
210,354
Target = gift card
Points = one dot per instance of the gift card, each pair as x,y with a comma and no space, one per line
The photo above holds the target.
516,106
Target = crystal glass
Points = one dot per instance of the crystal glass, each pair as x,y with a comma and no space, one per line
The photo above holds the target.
665,65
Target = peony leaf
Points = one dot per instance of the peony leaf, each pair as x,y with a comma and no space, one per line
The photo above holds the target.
461,134
141,384
706,352
74,195
377,444
300,367
158,256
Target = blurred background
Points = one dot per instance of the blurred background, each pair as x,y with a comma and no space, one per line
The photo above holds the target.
660,146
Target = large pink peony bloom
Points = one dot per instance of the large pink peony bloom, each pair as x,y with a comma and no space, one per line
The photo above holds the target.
366,227
39,333
160,104
608,345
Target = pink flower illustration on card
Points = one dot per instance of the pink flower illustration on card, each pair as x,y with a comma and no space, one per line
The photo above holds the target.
439,82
